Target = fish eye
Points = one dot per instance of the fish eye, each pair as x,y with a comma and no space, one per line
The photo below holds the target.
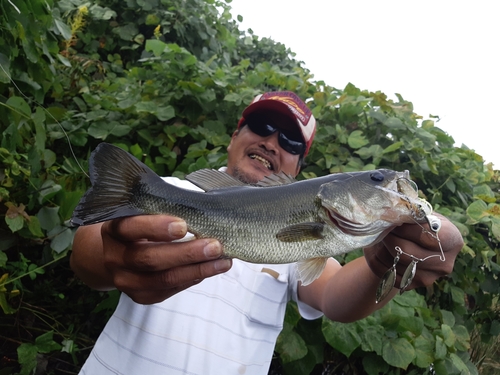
377,176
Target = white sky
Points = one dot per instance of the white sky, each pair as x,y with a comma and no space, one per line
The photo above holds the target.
442,55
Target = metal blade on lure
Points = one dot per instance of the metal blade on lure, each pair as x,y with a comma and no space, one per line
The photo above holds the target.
386,284
408,276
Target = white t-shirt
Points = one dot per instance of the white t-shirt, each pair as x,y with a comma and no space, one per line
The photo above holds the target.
227,324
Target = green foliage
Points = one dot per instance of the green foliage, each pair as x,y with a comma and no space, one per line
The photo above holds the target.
166,80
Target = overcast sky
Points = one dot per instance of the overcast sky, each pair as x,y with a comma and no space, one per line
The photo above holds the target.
442,55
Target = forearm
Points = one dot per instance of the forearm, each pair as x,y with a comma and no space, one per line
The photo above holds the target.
87,259
345,294
350,294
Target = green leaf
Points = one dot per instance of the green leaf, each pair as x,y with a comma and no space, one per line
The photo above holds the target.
463,337
300,367
428,139
398,352
46,344
48,190
62,238
68,202
414,325
370,337
146,106
156,46
290,345
341,336
394,123
448,335
374,364
483,190
165,113
292,314
40,134
477,210
6,308
7,240
15,223
34,227
68,346
373,151
459,364
5,72
423,352
458,296
357,139
3,259
440,351
26,355
448,317
20,105
63,28
48,217
393,147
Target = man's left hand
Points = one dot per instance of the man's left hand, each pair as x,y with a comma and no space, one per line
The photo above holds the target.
421,243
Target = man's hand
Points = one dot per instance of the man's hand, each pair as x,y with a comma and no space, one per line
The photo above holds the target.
140,259
412,239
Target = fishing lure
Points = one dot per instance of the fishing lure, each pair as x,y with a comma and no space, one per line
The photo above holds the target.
388,281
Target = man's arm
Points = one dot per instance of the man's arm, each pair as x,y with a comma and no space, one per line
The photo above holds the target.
347,293
137,256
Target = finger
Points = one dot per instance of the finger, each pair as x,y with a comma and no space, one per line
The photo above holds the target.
148,297
426,259
150,227
175,278
382,257
448,236
160,256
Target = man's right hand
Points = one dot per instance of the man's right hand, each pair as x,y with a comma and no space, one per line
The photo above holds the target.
136,255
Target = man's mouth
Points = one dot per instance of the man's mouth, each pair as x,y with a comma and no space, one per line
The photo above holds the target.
264,162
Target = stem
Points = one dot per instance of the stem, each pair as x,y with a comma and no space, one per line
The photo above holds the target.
33,270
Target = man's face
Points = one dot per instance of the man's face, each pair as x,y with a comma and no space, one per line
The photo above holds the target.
252,157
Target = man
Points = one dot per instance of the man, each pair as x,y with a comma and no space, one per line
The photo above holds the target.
184,310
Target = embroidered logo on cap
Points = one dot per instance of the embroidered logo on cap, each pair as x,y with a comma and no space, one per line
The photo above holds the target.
297,106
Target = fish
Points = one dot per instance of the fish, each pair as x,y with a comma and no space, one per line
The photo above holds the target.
275,221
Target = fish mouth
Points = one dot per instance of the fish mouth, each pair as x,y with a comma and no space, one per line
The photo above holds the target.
265,162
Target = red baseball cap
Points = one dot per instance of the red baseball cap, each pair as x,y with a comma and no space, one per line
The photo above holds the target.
288,104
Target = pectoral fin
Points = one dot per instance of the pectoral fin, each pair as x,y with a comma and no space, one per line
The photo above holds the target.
310,269
301,232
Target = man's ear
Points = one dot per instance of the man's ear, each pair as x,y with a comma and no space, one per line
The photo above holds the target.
298,168
235,134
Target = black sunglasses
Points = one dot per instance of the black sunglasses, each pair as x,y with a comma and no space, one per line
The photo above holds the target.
293,146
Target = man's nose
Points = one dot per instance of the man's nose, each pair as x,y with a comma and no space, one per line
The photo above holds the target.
270,143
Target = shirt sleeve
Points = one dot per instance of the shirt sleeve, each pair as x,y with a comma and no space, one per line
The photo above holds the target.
306,311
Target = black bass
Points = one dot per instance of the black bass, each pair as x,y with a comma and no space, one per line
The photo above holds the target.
279,220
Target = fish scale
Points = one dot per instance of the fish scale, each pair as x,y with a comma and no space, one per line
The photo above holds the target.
279,221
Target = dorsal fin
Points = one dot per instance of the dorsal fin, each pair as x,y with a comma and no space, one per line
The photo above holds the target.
211,179
276,179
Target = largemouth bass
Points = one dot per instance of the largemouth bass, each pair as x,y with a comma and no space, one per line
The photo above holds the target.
279,220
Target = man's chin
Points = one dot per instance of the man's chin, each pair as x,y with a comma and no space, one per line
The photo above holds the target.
247,177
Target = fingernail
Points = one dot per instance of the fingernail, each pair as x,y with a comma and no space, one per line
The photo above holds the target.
222,265
177,228
212,249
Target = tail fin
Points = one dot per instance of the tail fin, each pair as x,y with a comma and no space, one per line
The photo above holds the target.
115,176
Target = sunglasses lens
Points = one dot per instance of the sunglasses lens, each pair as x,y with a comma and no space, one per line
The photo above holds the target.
291,146
261,129
294,147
